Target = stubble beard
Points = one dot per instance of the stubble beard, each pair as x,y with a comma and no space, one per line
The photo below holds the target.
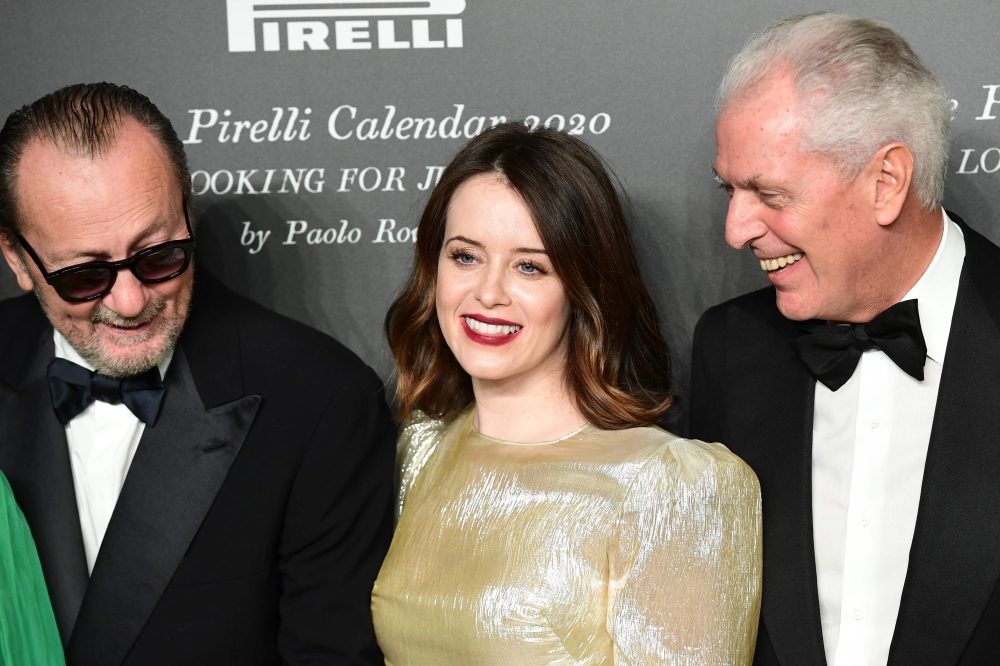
93,347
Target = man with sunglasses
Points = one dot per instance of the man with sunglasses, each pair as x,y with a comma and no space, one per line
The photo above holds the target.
207,482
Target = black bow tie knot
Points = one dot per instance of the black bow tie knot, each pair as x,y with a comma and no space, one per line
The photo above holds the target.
74,388
832,352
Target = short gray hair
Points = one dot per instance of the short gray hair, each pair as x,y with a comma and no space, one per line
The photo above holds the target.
873,91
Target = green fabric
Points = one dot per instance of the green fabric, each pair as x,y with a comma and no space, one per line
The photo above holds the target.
28,633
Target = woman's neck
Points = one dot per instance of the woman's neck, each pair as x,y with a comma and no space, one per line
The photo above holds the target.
536,408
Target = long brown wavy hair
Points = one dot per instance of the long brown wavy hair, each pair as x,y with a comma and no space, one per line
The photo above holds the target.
618,365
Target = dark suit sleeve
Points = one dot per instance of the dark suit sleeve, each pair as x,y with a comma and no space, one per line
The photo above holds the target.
708,420
337,530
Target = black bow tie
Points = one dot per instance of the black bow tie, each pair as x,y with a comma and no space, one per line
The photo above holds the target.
74,388
832,352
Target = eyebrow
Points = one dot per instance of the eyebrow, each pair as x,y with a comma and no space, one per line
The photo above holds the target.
465,239
751,183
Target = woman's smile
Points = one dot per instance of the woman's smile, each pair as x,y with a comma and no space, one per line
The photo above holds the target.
490,330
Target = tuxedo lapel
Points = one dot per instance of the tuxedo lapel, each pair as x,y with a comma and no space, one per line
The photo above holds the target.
35,457
770,403
955,556
176,473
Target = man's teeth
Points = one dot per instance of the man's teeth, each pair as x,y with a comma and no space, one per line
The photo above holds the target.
780,262
490,329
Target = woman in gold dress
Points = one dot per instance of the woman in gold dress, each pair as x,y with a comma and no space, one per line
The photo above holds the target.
542,517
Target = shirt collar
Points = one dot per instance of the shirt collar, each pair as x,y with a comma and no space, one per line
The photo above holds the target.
937,289
65,350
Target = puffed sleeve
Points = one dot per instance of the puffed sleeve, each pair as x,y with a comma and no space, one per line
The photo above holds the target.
418,439
685,566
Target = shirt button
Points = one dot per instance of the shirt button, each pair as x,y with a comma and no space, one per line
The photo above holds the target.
865,520
874,423
858,613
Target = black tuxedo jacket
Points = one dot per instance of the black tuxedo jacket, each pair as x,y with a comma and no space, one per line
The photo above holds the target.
751,392
255,514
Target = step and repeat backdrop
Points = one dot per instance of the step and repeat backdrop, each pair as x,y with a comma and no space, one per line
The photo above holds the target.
316,129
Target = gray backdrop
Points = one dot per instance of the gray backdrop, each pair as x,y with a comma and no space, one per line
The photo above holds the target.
635,79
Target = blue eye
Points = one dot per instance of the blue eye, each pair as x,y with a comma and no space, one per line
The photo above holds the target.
463,258
531,268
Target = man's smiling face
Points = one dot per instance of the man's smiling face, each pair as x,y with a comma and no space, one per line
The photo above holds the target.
73,209
814,233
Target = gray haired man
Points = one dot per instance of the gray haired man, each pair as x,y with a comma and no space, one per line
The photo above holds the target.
863,385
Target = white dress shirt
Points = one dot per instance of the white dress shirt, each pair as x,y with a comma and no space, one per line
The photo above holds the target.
870,442
102,441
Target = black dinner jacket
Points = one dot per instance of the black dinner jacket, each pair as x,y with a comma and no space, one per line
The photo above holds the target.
255,514
751,392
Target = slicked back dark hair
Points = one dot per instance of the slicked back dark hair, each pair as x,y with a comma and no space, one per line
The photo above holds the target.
82,119
618,369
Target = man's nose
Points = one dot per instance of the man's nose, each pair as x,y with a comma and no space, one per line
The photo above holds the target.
743,221
128,297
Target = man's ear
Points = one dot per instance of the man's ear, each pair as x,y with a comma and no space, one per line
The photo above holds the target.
16,263
893,173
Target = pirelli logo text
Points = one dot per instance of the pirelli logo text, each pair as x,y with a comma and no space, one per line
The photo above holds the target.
322,25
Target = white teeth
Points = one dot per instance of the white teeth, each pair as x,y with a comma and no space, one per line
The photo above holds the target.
490,329
780,262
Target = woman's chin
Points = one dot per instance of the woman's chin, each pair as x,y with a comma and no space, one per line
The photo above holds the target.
492,370
491,375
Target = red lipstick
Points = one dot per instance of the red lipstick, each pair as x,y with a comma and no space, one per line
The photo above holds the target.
490,340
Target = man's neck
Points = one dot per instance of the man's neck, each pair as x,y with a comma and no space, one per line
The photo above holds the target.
914,239
927,233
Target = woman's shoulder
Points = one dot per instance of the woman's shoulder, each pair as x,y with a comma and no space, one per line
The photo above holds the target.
688,461
419,437
420,428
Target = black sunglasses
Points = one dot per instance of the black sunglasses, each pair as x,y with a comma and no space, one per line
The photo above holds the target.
94,279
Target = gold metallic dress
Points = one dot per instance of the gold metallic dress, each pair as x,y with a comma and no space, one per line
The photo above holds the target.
603,547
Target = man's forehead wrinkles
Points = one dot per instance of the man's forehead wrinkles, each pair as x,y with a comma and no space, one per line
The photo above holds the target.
130,206
102,249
